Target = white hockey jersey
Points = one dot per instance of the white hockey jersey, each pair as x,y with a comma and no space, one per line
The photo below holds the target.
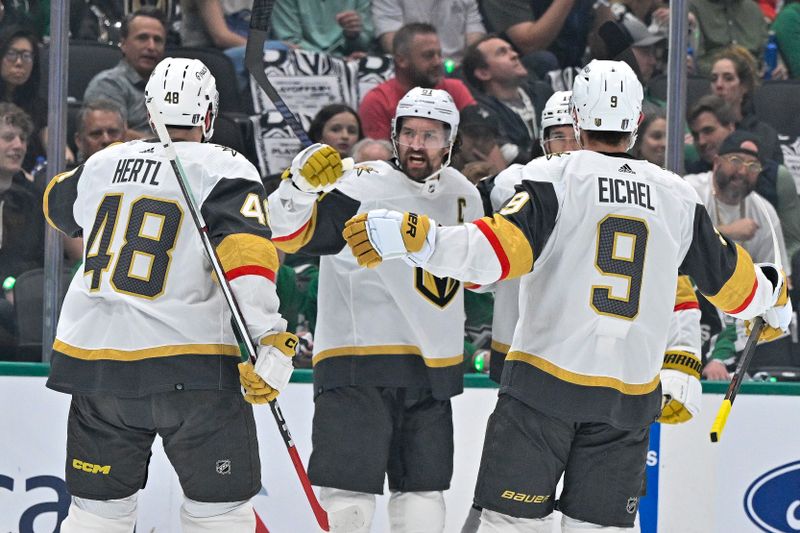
143,314
603,238
394,325
684,330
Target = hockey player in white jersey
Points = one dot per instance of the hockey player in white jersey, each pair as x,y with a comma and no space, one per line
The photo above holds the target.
683,341
144,343
388,346
599,239
557,137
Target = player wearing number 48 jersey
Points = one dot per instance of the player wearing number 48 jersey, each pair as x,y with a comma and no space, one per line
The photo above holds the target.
144,343
599,239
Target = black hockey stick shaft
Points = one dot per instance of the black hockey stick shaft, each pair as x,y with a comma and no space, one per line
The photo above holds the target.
736,381
254,61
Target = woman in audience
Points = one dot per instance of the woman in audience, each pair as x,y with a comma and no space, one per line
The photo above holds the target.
734,77
337,125
19,84
651,141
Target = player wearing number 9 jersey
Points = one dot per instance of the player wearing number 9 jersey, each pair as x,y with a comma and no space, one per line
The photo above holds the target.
598,239
144,343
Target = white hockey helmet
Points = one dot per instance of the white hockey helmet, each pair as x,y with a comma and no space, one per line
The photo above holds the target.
556,110
185,92
428,103
607,96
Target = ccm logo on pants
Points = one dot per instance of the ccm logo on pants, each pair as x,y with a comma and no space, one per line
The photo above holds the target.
77,464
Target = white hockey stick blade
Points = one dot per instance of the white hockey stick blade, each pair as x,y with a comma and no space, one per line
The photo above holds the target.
346,520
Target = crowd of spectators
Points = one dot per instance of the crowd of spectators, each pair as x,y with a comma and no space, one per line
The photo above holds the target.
500,60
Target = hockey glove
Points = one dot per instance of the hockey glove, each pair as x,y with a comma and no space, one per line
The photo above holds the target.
681,392
317,168
778,317
383,234
263,382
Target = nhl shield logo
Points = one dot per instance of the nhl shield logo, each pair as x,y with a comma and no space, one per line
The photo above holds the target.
633,503
224,467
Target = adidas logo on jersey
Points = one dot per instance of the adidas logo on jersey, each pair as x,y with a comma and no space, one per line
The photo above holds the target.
148,151
626,169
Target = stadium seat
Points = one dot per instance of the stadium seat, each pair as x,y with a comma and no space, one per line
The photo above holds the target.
223,70
86,60
696,86
774,102
235,131
29,309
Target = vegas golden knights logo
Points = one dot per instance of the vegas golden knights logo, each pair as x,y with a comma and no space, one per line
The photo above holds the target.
439,291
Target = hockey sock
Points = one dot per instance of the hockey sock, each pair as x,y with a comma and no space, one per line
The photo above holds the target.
100,516
494,522
205,517
416,512
336,499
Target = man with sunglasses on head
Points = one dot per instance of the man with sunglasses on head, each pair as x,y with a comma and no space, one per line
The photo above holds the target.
388,343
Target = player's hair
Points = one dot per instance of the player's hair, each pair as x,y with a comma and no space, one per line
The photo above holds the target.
14,116
325,114
608,137
147,11
711,103
401,43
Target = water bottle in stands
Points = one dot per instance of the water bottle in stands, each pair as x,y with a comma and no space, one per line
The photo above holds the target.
39,171
771,55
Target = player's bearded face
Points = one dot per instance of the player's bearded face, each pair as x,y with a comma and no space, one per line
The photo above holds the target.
422,146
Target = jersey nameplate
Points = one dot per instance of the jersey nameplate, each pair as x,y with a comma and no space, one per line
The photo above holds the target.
624,191
136,170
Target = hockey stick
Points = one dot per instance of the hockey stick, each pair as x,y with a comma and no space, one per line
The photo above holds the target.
736,381
347,519
254,61
749,348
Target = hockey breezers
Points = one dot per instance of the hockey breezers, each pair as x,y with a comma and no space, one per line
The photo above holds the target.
348,519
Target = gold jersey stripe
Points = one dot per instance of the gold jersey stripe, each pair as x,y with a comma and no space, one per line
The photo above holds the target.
146,353
738,291
58,178
294,241
389,349
245,249
498,346
581,379
510,245
685,294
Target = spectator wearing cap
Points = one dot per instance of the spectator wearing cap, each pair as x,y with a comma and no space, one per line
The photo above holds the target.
711,121
728,192
479,154
645,46
500,84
